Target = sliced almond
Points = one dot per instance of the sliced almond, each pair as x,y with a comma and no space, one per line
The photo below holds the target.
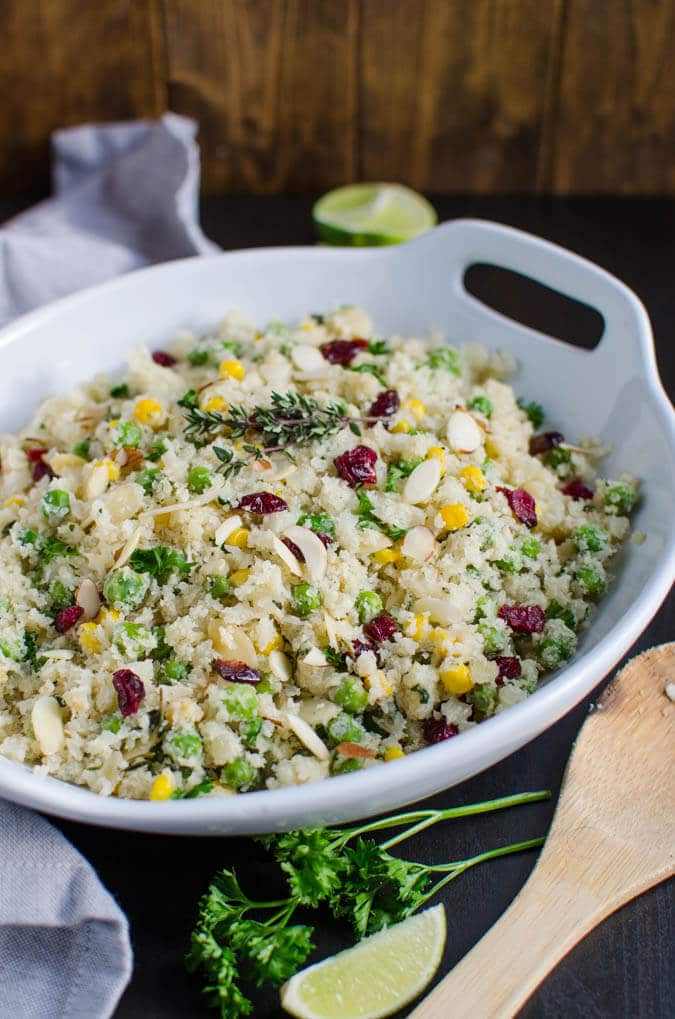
464,435
313,549
280,666
96,482
422,483
233,642
61,462
315,658
261,465
124,501
308,359
87,597
126,552
419,544
286,555
354,750
307,736
445,611
331,630
224,530
47,723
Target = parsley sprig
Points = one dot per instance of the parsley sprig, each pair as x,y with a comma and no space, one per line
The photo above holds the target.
160,562
239,939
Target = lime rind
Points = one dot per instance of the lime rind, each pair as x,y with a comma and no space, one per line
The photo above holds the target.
364,215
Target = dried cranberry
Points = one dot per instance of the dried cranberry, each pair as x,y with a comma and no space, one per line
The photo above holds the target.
381,628
236,672
66,618
357,466
523,618
545,441
130,691
386,404
325,539
262,503
436,730
522,505
342,351
576,489
359,647
292,547
509,668
161,357
41,469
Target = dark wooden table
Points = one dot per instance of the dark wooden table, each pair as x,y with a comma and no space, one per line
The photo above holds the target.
624,969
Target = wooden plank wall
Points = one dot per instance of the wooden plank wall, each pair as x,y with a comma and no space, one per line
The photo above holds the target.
546,96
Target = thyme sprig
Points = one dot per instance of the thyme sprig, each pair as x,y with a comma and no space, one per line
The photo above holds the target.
292,419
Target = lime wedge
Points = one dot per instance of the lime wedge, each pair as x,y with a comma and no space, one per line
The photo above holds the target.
377,977
362,215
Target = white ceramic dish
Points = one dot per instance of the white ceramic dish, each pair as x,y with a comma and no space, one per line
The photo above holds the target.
613,391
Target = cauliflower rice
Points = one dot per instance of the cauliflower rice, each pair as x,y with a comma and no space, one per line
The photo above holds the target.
186,610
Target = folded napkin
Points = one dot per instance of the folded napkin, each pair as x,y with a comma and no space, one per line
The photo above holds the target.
126,195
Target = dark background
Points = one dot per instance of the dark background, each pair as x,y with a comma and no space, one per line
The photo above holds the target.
624,969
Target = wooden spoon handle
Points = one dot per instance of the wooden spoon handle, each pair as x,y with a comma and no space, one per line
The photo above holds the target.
497,977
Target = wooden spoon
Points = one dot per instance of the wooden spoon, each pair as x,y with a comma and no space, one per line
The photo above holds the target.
612,837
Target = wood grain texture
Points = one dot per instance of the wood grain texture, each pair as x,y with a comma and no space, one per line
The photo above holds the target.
64,62
614,127
612,838
454,96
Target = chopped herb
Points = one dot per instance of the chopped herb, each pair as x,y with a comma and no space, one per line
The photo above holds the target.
369,369
160,562
111,723
444,357
378,347
534,411
398,470
228,466
290,419
147,479
556,611
48,547
320,523
121,391
483,405
82,449
199,479
622,495
219,587
197,790
61,597
368,521
157,450
422,693
335,658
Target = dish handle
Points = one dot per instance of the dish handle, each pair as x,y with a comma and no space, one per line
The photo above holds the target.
626,344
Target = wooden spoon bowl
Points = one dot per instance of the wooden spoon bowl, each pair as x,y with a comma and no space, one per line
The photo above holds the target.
612,837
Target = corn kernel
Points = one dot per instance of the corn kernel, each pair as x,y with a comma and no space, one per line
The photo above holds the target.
275,644
112,468
88,637
162,787
234,369
162,520
402,426
14,500
106,616
386,555
454,516
416,408
239,577
112,424
473,478
416,627
492,448
456,679
393,753
238,538
437,453
149,412
441,638
215,403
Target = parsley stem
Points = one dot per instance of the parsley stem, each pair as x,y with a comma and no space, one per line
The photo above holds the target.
460,866
421,819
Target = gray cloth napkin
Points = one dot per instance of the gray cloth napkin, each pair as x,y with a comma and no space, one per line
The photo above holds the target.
126,195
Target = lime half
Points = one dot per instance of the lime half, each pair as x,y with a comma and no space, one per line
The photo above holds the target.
377,977
363,215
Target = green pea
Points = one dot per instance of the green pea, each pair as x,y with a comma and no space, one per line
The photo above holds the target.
147,479
198,356
590,581
621,495
240,701
111,723
126,589
531,548
82,449
127,433
305,599
553,650
344,729
344,765
482,405
250,731
199,479
185,744
55,505
321,523
219,587
557,457
61,597
589,539
494,638
351,695
368,605
238,773
173,671
483,696
133,639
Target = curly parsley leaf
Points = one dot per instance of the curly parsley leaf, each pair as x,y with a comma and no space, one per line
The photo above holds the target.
160,562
